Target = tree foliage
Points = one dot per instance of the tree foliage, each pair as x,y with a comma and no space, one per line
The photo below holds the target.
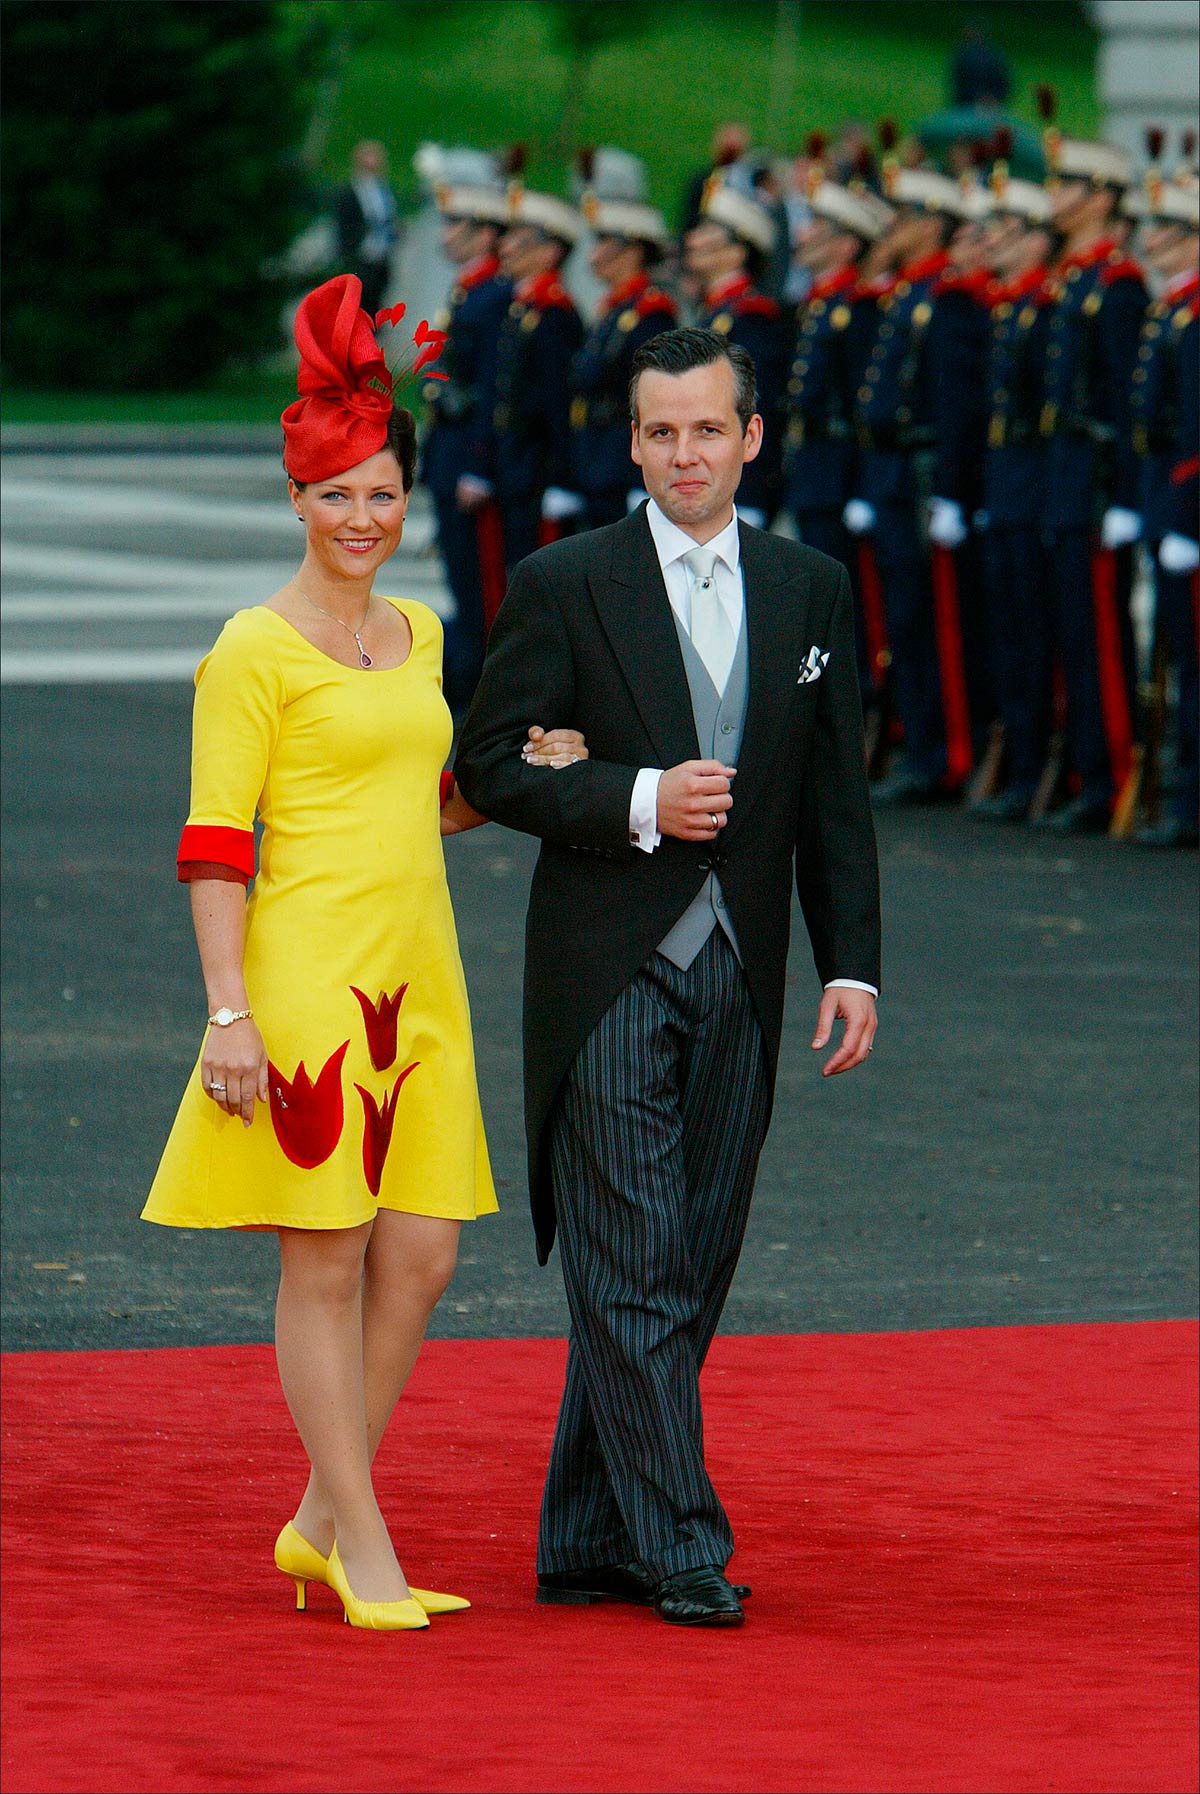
150,182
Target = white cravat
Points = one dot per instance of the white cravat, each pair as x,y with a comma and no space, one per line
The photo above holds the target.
709,626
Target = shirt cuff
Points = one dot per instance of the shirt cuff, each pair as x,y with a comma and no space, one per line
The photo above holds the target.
850,984
643,810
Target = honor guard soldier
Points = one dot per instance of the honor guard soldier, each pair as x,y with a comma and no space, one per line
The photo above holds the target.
1019,245
629,238
727,249
895,427
1166,400
458,462
835,327
540,334
1089,514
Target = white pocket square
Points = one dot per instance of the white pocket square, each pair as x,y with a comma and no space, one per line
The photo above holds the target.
813,665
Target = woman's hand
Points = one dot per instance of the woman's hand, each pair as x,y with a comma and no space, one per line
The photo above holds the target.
553,747
234,1068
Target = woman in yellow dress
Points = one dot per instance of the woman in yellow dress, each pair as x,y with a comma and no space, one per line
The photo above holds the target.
334,1099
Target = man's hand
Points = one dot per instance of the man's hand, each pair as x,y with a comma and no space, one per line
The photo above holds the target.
553,747
693,799
857,1008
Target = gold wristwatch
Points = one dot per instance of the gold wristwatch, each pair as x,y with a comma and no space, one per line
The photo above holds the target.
224,1017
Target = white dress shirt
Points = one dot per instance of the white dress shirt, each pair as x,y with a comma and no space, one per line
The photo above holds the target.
671,545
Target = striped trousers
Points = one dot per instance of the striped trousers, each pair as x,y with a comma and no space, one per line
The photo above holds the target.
654,1145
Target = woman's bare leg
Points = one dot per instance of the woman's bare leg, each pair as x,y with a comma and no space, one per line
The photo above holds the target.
319,1350
409,1263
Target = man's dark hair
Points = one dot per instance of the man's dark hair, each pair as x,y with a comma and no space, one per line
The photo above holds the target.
679,351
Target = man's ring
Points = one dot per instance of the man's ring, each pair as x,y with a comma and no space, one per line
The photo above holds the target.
713,820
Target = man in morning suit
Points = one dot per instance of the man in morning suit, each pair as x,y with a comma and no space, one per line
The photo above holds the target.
676,639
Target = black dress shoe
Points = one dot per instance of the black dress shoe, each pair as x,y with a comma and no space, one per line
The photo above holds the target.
699,1597
615,1582
1174,832
1082,816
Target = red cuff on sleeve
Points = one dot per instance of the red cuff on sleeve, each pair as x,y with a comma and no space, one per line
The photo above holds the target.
445,789
1183,471
224,846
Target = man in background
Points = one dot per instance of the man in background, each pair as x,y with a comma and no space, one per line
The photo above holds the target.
365,216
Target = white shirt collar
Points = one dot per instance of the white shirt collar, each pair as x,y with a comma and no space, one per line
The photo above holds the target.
671,543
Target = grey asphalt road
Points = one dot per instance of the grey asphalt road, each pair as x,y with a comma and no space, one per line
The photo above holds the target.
1021,1148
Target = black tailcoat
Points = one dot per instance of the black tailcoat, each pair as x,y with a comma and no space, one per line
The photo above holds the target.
585,638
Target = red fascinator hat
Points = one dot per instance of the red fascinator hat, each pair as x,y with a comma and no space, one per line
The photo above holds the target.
341,416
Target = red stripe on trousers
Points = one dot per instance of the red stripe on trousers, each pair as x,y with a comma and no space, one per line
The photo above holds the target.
489,533
1110,668
874,619
948,629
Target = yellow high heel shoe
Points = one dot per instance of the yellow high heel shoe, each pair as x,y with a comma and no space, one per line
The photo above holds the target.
301,1561
374,1616
304,1564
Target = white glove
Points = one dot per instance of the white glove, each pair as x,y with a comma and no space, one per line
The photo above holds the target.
470,492
558,503
1178,554
1119,527
635,497
947,525
859,517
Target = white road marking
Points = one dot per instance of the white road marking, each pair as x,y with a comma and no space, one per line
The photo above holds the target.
50,586
100,667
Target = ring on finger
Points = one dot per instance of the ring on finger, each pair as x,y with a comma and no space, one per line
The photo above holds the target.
216,1089
713,819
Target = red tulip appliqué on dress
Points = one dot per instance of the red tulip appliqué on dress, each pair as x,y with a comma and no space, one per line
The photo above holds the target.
377,1129
308,1116
379,1019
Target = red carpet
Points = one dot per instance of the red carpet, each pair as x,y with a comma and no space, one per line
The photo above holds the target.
972,1554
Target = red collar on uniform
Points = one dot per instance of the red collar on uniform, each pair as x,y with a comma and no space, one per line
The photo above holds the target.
543,290
1087,258
976,286
633,288
1029,285
877,288
1183,287
484,267
829,285
732,287
928,268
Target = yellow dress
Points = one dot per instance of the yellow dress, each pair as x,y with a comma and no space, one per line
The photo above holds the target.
351,964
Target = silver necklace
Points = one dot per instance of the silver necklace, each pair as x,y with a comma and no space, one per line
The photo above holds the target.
364,659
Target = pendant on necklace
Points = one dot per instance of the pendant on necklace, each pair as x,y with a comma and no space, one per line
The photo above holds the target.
364,659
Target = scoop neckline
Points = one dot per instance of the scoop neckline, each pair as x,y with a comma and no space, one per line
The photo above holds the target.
344,665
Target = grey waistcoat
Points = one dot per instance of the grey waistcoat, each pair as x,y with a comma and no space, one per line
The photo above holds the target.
719,725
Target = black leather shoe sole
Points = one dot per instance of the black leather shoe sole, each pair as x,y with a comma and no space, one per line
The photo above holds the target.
714,1616
587,1597
572,1589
